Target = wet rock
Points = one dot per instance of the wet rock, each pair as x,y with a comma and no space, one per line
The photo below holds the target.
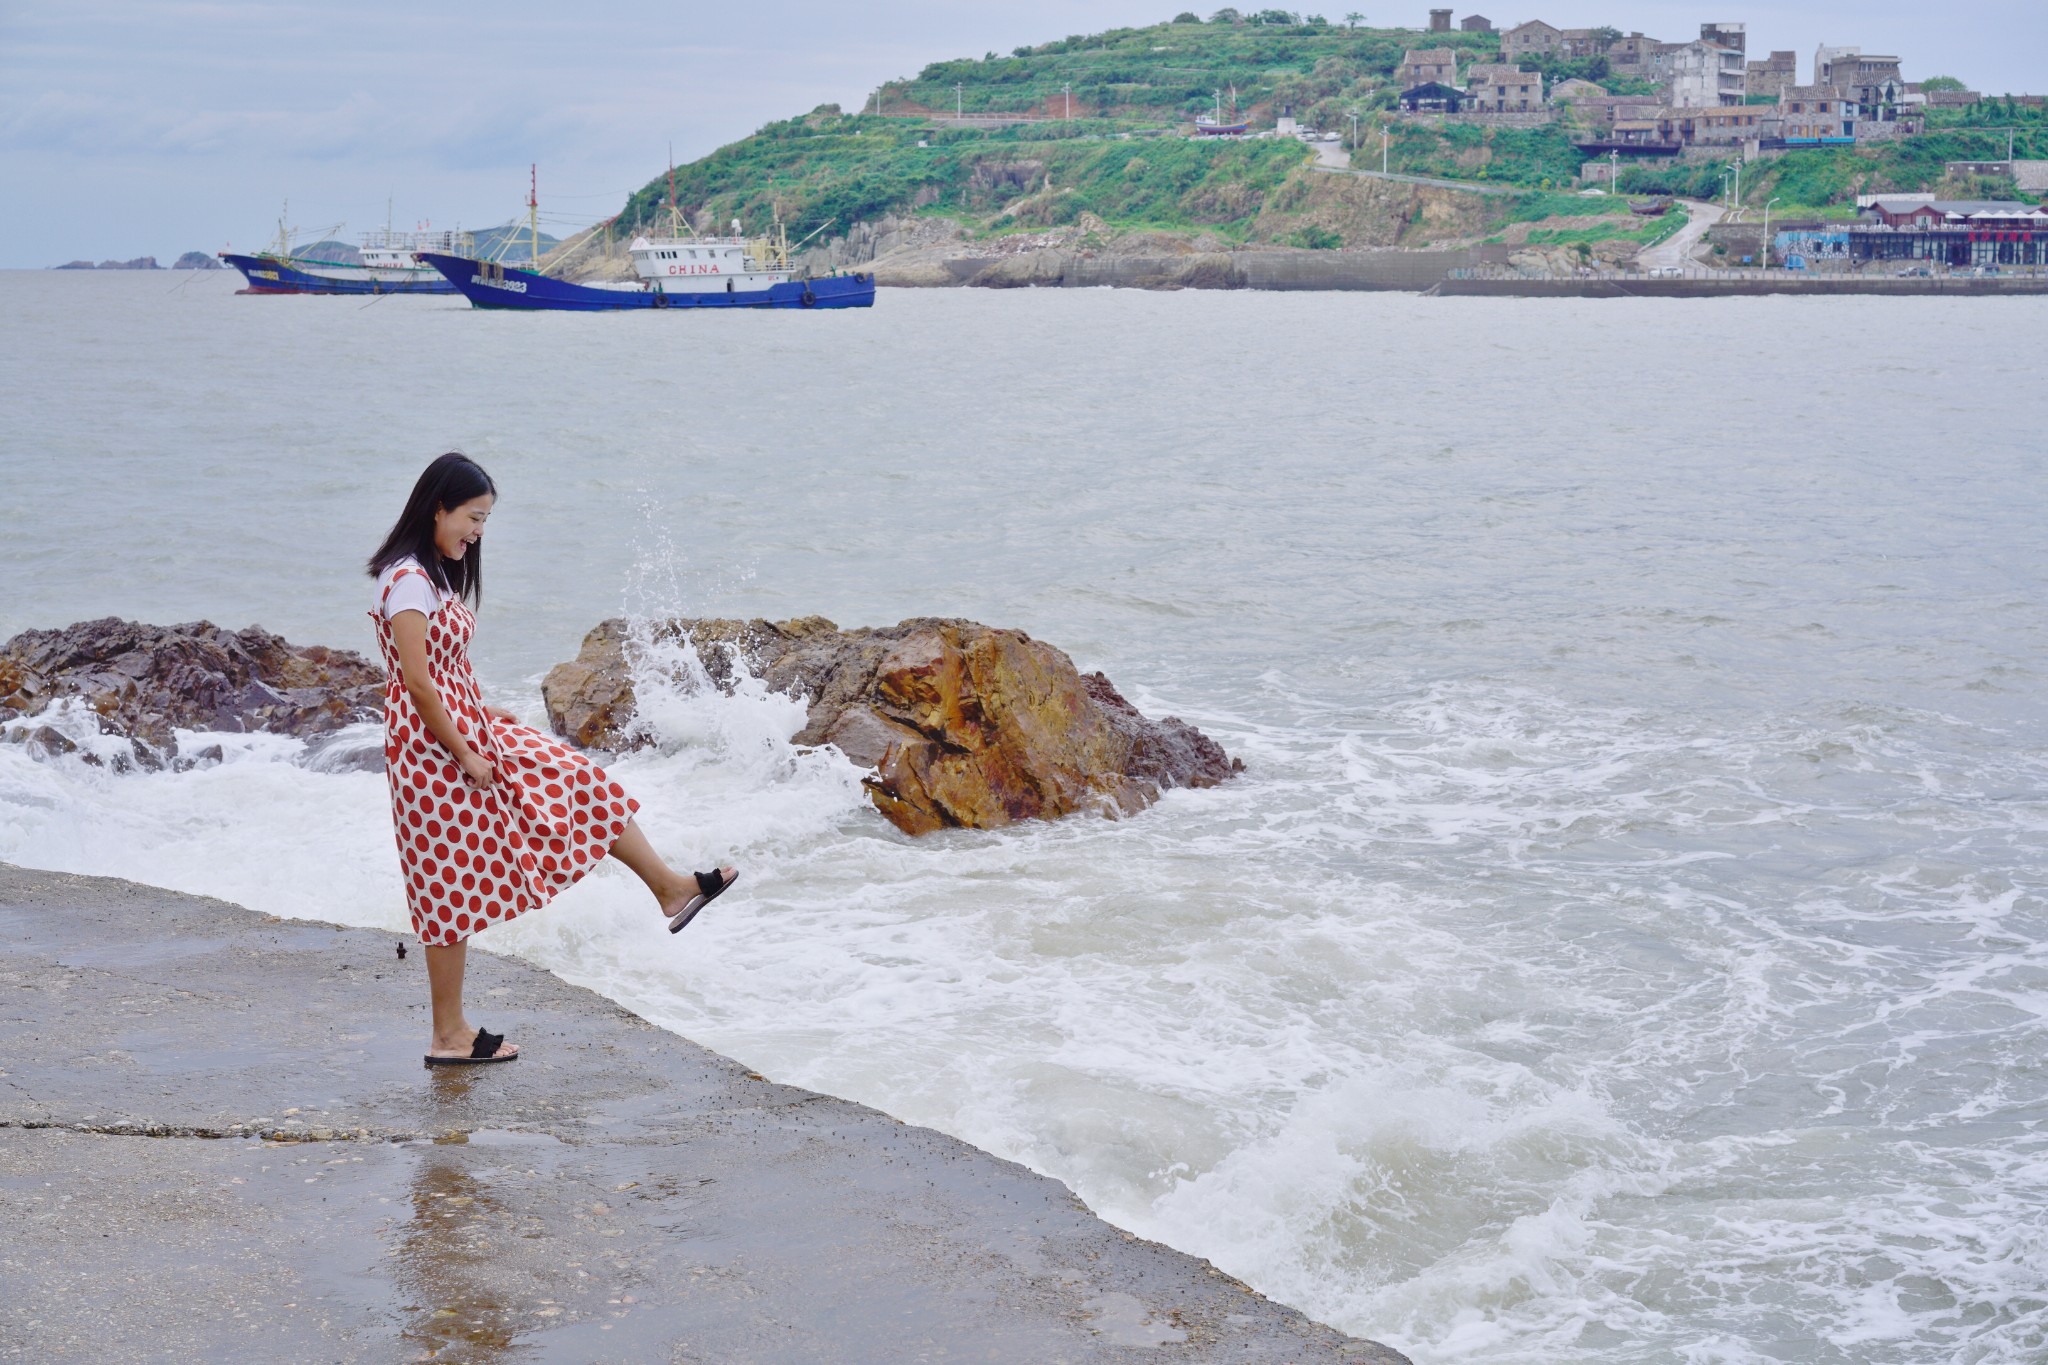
142,682
964,725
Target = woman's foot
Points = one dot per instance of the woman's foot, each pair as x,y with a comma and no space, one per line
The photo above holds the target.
681,900
462,1043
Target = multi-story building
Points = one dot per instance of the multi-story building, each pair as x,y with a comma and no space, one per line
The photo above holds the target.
1578,42
1873,81
1420,67
1630,56
1506,90
1532,39
1824,59
1439,21
1699,75
1773,75
1816,113
1606,111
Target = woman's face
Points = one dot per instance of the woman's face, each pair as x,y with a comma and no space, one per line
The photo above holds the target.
458,528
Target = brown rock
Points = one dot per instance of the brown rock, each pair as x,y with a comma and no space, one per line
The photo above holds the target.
964,725
145,681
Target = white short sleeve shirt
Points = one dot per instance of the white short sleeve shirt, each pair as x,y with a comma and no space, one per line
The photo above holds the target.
414,592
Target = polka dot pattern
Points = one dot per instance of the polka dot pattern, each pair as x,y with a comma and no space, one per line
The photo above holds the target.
476,858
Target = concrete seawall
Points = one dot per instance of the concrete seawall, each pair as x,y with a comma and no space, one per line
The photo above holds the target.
217,1142
1414,271
1721,286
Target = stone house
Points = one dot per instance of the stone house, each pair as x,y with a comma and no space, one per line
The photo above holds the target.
1774,74
1439,21
1717,125
1605,111
1420,67
1506,90
1815,113
1476,23
1733,36
1577,42
1532,39
1630,56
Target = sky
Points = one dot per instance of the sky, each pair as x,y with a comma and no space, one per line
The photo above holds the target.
131,129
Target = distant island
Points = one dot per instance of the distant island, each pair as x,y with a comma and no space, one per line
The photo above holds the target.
191,260
1453,138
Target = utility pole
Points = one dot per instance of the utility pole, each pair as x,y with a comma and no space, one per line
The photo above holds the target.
1354,130
1068,87
1767,234
959,101
1614,172
1385,133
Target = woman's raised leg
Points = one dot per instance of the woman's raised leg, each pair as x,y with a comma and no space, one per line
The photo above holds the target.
671,888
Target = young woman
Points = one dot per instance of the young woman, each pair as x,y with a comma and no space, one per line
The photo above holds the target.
493,818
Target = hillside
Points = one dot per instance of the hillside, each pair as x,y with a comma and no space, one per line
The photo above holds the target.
1092,131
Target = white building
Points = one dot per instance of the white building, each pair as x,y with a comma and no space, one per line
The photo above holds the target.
1701,75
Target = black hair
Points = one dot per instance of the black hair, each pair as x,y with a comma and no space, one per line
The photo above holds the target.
446,484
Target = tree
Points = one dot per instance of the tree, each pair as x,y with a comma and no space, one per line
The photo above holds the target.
1605,37
1187,17
1226,15
1353,19
1933,83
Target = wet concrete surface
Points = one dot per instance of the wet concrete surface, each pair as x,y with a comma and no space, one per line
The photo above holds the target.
217,1142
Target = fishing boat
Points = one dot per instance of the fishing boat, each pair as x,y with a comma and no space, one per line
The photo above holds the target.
681,270
673,272
392,263
1207,125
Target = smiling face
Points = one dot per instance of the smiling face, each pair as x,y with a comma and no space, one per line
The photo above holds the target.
458,528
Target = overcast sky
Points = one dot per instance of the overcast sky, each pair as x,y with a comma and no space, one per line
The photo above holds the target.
133,129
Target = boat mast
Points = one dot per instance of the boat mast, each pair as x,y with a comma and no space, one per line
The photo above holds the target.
533,212
674,220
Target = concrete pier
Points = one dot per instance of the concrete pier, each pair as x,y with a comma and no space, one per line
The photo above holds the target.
217,1142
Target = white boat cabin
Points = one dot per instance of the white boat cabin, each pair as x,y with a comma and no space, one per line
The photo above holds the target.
707,265
388,250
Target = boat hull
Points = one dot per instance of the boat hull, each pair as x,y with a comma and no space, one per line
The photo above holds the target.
489,285
271,275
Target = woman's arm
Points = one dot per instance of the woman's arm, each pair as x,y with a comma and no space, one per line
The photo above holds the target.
409,632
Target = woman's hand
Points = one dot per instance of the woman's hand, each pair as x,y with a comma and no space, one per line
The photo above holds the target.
479,770
502,714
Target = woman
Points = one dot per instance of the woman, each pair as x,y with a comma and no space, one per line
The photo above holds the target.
493,818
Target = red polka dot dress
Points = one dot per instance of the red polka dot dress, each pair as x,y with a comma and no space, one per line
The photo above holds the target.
474,858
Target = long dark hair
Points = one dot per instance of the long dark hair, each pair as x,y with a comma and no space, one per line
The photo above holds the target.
446,484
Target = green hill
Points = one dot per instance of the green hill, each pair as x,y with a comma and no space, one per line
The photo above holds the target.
1095,125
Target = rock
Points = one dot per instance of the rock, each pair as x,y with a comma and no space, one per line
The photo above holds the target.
146,681
964,725
197,260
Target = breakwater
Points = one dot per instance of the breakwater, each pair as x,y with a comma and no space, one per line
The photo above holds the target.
1746,284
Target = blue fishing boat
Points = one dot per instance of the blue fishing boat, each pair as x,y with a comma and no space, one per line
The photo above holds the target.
670,272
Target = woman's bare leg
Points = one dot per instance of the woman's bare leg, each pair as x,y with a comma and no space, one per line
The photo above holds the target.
670,888
454,1035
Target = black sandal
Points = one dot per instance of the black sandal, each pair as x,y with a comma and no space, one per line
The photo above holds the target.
710,886
485,1049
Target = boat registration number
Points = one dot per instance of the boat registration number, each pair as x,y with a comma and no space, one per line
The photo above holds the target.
516,286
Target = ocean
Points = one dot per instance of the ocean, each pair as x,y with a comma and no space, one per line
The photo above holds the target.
1625,944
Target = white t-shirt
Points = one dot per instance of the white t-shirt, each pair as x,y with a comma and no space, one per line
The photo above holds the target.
414,592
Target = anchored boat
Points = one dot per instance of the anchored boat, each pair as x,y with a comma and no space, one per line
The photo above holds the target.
673,272
393,263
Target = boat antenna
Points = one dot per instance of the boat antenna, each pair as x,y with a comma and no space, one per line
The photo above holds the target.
674,223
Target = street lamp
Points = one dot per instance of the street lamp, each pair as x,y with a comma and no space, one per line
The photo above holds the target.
1354,130
1767,234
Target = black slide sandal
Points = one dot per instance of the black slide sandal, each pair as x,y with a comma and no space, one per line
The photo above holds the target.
710,886
484,1050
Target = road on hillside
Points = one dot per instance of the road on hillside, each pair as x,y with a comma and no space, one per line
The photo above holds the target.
1678,249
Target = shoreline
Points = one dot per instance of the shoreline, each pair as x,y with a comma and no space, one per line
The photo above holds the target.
183,1076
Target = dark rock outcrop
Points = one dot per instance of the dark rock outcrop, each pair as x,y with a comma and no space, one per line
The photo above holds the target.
197,260
964,725
143,682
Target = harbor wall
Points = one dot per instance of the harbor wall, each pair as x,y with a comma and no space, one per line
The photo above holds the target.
1748,285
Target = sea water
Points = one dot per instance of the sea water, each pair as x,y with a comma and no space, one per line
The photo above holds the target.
1625,943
